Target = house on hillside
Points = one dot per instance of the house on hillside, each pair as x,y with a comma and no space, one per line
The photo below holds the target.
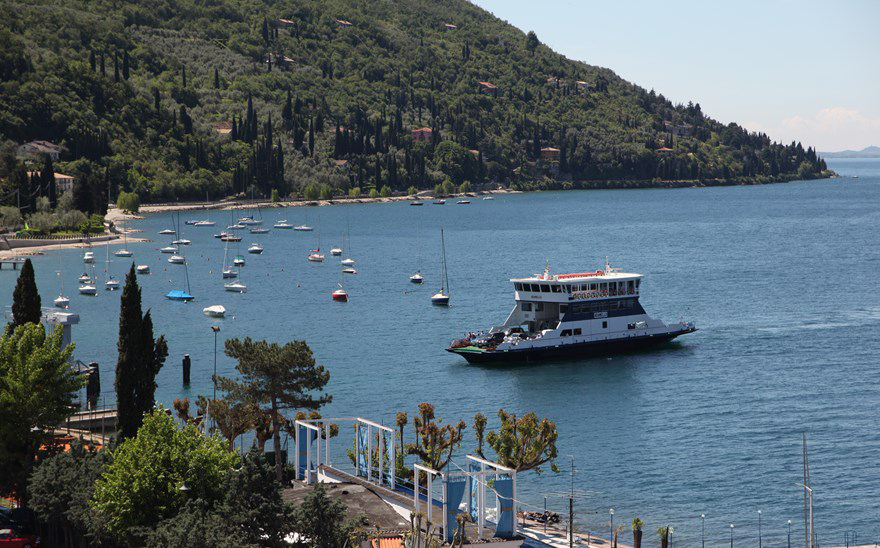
554,81
286,23
582,86
222,128
449,26
422,134
664,150
549,154
63,183
488,88
280,61
343,23
37,150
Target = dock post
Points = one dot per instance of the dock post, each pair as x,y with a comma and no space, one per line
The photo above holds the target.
186,368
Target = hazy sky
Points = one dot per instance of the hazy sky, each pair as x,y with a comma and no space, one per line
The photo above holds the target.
804,70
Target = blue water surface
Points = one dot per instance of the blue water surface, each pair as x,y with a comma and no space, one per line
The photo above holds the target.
781,279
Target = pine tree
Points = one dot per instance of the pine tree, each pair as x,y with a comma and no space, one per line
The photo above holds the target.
140,358
26,299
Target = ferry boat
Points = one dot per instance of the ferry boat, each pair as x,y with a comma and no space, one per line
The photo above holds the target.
570,315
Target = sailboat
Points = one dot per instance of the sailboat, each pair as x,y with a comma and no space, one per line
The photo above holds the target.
84,277
207,221
250,220
348,261
283,224
236,286
179,294
316,256
441,298
124,252
239,259
61,301
340,295
228,272
112,284
417,278
304,227
337,251
167,232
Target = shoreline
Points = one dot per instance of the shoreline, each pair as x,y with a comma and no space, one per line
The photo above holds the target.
31,251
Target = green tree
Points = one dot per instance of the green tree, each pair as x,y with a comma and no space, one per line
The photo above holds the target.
452,159
25,298
464,187
448,187
322,521
434,443
282,377
374,193
524,444
532,41
355,192
37,393
275,196
386,191
142,486
128,201
311,192
60,490
412,191
326,192
198,525
140,359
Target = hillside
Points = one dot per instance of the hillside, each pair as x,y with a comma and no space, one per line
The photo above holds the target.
179,99
867,152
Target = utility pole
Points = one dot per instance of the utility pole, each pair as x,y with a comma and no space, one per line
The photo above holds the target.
571,508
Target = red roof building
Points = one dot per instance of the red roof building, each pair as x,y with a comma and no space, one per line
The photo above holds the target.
422,134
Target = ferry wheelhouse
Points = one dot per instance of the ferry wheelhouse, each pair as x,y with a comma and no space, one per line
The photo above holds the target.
571,315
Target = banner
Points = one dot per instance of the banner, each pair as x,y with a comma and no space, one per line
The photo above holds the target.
454,494
504,490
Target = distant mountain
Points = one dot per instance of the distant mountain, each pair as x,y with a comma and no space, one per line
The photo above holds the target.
867,152
177,98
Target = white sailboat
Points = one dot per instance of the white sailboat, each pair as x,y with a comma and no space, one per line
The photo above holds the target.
111,284
417,278
124,252
61,301
441,298
283,225
348,261
88,287
228,272
207,221
316,256
304,227
236,286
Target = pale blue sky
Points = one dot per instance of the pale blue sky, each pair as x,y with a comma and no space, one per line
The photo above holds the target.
805,70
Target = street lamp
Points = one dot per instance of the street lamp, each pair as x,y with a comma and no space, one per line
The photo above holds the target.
789,533
731,535
811,536
611,511
703,528
759,529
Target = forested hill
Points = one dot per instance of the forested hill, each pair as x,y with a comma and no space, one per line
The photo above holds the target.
176,98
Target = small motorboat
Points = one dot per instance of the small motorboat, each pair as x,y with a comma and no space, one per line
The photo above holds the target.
336,251
181,242
216,311
205,223
179,295
316,257
303,228
88,288
229,273
143,269
238,260
177,259
347,262
416,203
89,257
61,301
84,278
123,253
417,278
235,287
489,198
167,232
255,249
463,202
221,234
439,202
168,249
283,224
349,270
230,238
236,226
340,295
259,230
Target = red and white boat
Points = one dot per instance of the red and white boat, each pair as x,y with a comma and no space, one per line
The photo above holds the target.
316,256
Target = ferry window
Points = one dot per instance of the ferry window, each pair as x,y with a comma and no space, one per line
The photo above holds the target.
565,333
613,290
539,307
621,288
535,288
563,308
630,287
604,325
556,288
577,331
603,286
517,286
638,282
545,288
567,288
526,307
593,287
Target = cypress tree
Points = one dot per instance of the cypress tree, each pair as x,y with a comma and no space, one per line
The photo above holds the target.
216,78
156,100
26,299
265,31
115,66
92,61
183,75
311,137
140,359
125,65
103,71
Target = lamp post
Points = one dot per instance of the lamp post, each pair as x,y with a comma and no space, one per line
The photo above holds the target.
703,529
731,535
215,329
759,529
789,533
811,535
611,511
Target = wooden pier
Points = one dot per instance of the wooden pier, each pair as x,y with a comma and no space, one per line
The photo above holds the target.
14,262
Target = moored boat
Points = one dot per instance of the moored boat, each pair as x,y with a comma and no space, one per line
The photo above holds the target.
143,269
283,225
215,311
571,315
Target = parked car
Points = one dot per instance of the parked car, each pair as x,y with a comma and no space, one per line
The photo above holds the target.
10,538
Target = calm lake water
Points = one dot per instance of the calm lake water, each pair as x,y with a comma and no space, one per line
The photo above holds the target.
781,280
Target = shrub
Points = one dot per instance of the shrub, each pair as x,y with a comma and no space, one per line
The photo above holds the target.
374,193
386,191
128,201
355,192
